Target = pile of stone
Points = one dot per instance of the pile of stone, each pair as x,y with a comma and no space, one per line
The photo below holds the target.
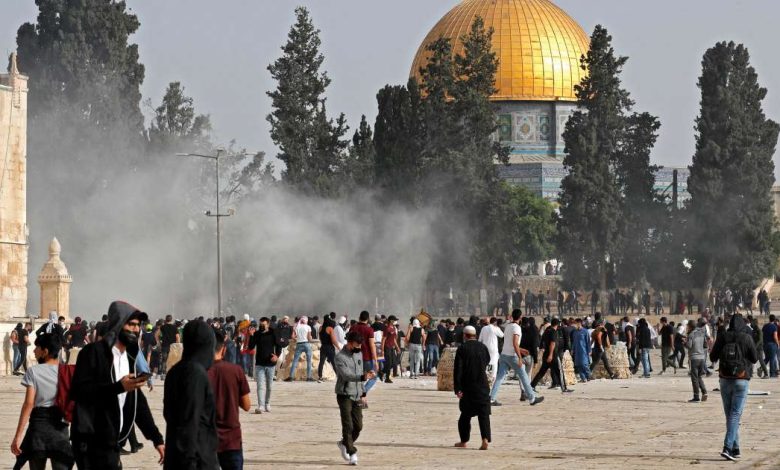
300,370
568,369
617,355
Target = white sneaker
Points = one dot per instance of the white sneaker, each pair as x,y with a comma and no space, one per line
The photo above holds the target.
353,459
343,449
267,408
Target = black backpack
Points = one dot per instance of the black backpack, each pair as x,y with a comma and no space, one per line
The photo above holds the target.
732,359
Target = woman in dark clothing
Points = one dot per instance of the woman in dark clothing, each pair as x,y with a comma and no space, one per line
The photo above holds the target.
188,403
47,434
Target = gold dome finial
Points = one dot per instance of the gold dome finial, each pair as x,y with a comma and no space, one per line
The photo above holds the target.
537,44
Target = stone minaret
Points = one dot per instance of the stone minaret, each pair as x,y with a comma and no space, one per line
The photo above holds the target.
55,284
13,192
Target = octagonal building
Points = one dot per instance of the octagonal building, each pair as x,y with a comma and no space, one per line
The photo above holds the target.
539,48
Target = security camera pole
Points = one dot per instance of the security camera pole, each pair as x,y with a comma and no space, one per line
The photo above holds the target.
218,216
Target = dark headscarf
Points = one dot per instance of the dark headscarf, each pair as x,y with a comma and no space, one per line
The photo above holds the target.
198,342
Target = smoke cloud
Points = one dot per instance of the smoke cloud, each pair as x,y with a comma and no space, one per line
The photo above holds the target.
142,236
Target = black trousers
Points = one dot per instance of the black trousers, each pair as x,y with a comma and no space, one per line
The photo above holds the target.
351,422
91,456
327,352
598,355
469,410
556,374
391,361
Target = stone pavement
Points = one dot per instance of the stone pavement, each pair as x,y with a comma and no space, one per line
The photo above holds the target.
621,424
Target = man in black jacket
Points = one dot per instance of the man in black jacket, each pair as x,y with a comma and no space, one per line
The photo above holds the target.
107,395
267,352
188,403
736,353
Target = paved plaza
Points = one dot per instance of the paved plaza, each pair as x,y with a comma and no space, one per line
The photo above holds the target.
635,423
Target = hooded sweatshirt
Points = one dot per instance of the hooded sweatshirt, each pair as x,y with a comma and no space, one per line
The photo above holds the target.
94,389
188,403
697,344
738,332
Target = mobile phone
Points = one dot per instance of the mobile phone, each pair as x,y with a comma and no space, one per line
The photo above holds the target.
143,375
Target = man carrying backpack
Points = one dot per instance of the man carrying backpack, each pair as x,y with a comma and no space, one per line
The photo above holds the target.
735,352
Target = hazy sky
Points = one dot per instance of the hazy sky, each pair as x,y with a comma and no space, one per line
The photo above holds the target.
220,51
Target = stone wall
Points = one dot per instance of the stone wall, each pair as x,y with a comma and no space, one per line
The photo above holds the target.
13,194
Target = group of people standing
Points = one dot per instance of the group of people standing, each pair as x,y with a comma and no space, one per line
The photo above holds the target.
84,414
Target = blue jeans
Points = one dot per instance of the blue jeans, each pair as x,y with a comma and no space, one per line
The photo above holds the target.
264,376
230,352
770,356
733,392
247,363
231,459
645,354
510,362
367,366
301,348
415,359
433,357
17,356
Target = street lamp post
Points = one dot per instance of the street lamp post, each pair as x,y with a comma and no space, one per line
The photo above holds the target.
218,215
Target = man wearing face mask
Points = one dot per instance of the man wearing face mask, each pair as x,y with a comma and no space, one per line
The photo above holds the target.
350,390
267,352
107,394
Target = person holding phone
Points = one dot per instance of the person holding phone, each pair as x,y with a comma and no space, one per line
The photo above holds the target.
108,396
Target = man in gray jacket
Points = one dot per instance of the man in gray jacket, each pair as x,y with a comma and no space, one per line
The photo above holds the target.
697,352
350,389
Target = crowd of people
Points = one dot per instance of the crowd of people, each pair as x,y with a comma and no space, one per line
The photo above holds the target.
86,414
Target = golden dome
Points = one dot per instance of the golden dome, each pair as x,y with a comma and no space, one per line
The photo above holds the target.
538,46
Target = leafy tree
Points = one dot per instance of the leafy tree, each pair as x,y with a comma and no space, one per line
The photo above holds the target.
361,160
175,126
527,228
80,61
311,145
590,199
640,207
732,173
398,140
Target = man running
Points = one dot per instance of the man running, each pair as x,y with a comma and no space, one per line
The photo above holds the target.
511,358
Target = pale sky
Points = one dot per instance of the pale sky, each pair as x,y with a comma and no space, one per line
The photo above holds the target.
220,50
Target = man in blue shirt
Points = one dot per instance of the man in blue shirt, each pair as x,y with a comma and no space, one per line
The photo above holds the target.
771,343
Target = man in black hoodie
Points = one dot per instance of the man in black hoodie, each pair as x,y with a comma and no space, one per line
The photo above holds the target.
107,395
188,403
736,353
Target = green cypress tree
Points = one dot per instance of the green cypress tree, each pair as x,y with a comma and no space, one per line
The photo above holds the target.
732,173
81,64
310,144
362,156
590,199
640,208
398,140
175,127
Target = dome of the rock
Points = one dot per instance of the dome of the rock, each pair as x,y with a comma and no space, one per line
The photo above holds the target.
538,46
